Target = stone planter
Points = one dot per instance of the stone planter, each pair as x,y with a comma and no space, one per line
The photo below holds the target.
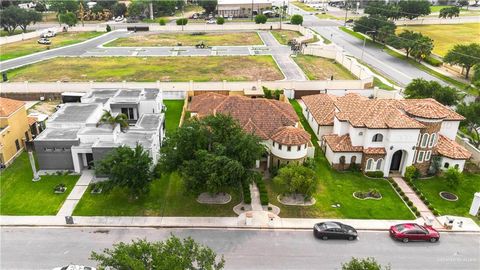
448,196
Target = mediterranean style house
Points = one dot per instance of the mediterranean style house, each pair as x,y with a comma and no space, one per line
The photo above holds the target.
385,135
73,139
14,129
275,122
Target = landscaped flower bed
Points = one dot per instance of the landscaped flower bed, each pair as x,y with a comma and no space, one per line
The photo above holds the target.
448,196
59,189
365,195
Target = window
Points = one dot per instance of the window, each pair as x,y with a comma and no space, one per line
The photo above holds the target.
433,138
299,148
26,136
377,137
129,113
369,164
17,144
279,147
446,165
289,148
419,138
456,166
353,160
273,143
424,140
342,160
379,164
427,155
420,156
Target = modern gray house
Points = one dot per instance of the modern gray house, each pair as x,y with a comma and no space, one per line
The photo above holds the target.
73,140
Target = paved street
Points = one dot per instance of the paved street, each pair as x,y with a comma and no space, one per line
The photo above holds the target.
44,248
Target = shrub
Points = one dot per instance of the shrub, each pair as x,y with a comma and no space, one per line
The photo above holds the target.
182,21
263,191
415,189
220,20
247,198
109,28
435,212
453,177
433,61
404,197
261,19
394,184
398,189
296,19
414,209
430,207
375,174
411,173
162,22
417,213
354,167
410,203
422,197
264,198
427,203
401,193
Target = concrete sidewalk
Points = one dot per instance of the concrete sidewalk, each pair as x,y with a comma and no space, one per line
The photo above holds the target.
76,194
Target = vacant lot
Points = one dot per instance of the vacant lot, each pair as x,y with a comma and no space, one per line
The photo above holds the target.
29,46
283,36
445,36
19,195
318,68
188,39
110,69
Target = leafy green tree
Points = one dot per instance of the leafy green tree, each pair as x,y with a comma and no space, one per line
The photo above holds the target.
296,19
127,168
119,9
363,264
63,6
413,9
449,12
405,40
390,11
296,178
463,3
68,18
172,254
411,173
27,17
260,19
8,19
371,25
182,22
107,118
422,48
464,55
453,177
209,5
421,88
471,112
220,20
137,9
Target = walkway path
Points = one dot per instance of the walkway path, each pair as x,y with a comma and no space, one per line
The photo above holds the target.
255,194
76,194
425,213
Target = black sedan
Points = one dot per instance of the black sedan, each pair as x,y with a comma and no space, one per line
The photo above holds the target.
334,230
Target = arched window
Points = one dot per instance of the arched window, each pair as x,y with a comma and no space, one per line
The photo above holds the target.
369,164
342,160
427,155
433,139
377,137
446,165
456,166
379,164
424,140
353,160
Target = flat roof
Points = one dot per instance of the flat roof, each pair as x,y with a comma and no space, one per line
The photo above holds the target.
75,112
149,121
58,134
131,138
100,130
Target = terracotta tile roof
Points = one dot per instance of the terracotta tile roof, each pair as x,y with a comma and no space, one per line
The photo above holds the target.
291,136
32,120
451,149
322,108
429,108
9,106
263,117
341,143
375,151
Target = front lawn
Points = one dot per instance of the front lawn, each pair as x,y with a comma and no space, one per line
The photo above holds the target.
283,36
173,114
337,188
319,68
20,196
303,6
150,69
188,39
167,197
433,186
29,46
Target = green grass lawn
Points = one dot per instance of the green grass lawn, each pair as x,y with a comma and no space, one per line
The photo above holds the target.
187,39
378,83
433,186
173,114
29,46
149,69
167,197
302,6
445,36
298,109
283,36
4,33
20,196
319,68
337,188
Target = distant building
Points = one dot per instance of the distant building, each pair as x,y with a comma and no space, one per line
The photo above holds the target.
74,140
275,122
14,129
242,8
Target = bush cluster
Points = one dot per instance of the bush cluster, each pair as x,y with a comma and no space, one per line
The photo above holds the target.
375,174
263,192
247,198
433,61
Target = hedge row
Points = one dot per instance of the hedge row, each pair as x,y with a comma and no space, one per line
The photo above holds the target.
263,192
404,197
422,197
375,174
247,198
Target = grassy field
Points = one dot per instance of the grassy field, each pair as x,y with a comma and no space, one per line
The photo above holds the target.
20,196
318,68
190,39
433,186
283,36
445,36
172,116
463,11
167,197
302,6
4,33
29,46
108,69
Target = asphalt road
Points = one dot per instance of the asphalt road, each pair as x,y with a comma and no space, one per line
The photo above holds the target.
45,248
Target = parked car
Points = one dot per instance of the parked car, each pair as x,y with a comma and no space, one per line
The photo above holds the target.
413,232
48,34
334,230
74,267
120,19
211,21
44,41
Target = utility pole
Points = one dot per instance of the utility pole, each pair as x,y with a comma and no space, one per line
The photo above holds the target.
346,12
252,11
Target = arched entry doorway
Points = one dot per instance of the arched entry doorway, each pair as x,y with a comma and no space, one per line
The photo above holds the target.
396,161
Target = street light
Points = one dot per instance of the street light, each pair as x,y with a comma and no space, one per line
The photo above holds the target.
364,41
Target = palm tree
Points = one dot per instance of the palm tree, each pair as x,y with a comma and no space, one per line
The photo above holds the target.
108,118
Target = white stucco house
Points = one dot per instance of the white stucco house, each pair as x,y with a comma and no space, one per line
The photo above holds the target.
385,135
275,122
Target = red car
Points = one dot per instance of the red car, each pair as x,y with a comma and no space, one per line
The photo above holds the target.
414,232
